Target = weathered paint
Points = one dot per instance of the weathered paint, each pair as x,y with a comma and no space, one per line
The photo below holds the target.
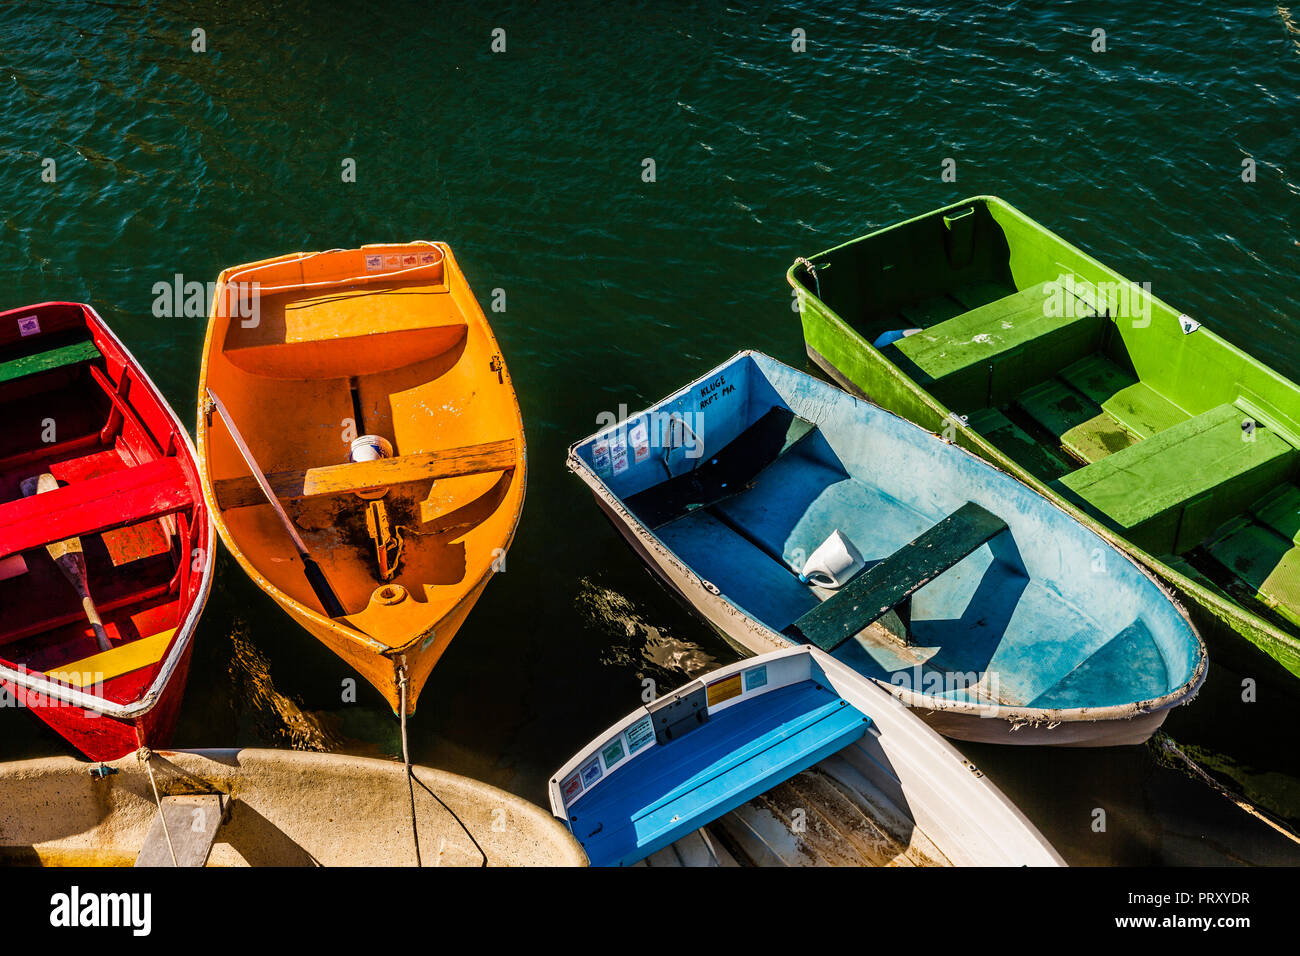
126,437
287,808
917,479
1180,375
899,795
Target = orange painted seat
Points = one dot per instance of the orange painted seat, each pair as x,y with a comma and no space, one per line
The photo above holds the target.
129,496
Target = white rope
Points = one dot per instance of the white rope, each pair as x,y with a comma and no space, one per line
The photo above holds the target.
406,758
145,755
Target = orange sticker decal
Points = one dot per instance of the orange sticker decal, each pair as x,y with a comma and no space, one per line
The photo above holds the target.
724,689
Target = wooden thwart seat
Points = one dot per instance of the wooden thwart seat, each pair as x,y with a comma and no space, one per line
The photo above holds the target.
710,769
129,496
184,829
60,356
350,477
990,354
1168,492
114,662
886,585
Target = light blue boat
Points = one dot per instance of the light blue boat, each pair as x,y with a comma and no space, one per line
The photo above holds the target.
787,511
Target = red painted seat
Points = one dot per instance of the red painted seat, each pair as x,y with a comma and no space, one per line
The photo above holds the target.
140,493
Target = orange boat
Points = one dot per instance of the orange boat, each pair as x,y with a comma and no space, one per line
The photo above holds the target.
361,448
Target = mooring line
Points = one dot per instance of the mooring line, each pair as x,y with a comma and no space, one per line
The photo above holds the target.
406,758
146,755
1168,746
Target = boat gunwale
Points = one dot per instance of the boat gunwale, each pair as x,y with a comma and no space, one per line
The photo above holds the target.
1015,715
1219,605
37,682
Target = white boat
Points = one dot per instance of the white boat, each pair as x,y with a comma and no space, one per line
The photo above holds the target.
787,758
266,808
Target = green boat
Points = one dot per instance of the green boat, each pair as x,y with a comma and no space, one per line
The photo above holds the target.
976,322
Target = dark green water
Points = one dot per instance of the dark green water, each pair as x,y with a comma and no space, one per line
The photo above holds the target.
529,163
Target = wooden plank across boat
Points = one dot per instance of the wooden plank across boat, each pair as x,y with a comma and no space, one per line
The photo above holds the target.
310,351
976,600
675,780
1143,424
120,517
257,807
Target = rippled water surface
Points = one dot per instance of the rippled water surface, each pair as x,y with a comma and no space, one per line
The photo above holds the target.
529,163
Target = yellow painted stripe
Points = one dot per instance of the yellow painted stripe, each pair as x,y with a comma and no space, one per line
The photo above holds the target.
114,662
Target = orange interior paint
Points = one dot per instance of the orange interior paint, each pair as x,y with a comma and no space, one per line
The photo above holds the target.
398,326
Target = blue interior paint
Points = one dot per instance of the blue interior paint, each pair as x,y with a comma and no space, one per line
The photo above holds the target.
1054,612
735,755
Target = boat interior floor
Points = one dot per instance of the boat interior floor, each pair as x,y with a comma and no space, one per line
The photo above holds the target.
975,629
831,814
1214,492
63,421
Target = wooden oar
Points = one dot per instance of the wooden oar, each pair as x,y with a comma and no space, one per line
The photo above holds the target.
67,554
315,576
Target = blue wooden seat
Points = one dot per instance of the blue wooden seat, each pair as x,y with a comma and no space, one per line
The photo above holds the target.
738,753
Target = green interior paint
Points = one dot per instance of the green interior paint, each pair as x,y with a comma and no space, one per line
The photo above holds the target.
1086,386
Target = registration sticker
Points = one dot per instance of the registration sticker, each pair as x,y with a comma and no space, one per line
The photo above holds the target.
428,258
640,438
756,677
392,262
618,455
409,261
374,263
571,788
600,456
29,325
640,734
724,689
591,772
613,752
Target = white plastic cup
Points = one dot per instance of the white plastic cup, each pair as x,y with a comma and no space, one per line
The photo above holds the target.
834,562
370,448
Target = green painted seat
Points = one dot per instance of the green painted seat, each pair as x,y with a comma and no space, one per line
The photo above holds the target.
1168,492
990,354
60,356
1280,511
1262,550
1096,409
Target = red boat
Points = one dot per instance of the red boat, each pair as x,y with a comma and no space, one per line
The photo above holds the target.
105,541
